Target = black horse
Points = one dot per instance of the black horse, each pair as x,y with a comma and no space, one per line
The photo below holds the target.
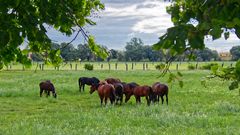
86,80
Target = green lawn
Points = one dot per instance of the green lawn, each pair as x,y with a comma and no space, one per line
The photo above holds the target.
192,109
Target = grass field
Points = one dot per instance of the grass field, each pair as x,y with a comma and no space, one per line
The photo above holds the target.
192,109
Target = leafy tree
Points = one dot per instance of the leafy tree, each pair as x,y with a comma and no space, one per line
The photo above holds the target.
206,55
193,20
84,52
27,20
235,52
134,50
69,52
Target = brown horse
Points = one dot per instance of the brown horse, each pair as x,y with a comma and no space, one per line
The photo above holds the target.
105,91
128,90
47,87
113,80
143,91
160,90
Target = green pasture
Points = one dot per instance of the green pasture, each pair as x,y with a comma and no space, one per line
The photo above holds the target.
192,109
115,65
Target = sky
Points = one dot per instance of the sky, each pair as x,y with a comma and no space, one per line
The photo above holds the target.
124,19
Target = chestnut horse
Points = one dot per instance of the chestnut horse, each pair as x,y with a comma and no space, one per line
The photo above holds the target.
88,81
128,90
47,87
112,80
105,91
160,90
143,91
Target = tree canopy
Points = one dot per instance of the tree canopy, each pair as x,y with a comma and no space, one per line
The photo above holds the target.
194,20
27,20
235,52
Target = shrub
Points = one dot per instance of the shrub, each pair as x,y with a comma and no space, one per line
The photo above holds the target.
208,66
191,67
88,67
160,66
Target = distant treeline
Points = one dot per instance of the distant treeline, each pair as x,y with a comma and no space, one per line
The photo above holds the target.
135,50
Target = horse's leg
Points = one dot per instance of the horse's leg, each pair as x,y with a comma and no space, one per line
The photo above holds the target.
41,91
158,98
106,100
121,100
83,87
148,102
167,98
48,93
101,98
139,100
136,99
127,98
162,99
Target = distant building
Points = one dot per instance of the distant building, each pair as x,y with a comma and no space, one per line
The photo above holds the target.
226,56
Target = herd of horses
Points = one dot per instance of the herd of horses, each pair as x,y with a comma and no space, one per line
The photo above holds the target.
113,89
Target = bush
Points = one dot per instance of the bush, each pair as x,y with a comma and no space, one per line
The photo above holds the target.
88,67
208,66
160,66
191,67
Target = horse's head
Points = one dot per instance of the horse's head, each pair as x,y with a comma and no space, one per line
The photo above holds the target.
93,88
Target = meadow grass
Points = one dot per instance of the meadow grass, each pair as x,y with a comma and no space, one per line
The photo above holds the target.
192,109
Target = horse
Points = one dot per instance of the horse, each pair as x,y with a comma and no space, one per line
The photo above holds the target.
88,81
105,91
112,80
160,90
118,92
128,89
143,91
47,87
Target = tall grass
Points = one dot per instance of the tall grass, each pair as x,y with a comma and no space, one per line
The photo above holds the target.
192,109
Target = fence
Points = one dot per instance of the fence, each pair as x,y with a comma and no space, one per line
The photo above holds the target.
127,66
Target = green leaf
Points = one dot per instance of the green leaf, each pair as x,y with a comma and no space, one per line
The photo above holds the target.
233,85
180,83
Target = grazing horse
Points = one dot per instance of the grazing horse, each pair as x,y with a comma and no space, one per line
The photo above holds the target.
128,90
105,91
47,87
160,90
118,92
143,91
88,81
112,80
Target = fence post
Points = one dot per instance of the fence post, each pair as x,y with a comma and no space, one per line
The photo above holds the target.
70,66
132,66
76,67
116,66
42,67
177,66
143,66
101,66
231,65
196,66
109,66
126,67
23,67
222,64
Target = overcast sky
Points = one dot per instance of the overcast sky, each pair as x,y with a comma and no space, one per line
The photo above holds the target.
146,19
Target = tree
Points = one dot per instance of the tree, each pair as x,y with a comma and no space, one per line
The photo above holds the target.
235,52
134,50
193,20
206,55
68,53
27,20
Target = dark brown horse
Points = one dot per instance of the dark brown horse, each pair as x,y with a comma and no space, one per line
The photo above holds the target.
160,90
143,91
47,87
88,81
105,91
128,90
112,80
118,92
